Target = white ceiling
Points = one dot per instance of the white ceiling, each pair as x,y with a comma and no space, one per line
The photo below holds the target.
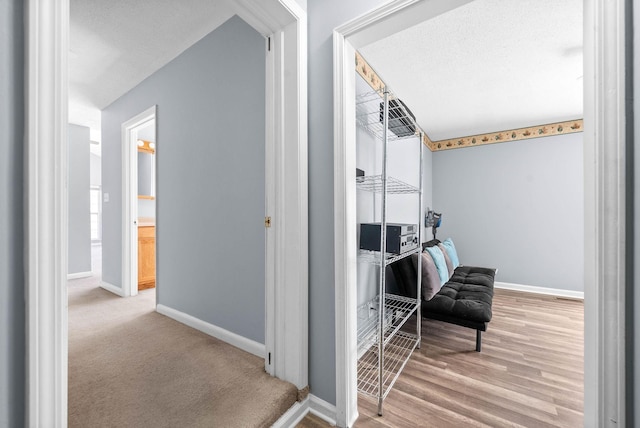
487,66
116,44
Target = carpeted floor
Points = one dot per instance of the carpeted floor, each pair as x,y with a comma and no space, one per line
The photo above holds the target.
132,367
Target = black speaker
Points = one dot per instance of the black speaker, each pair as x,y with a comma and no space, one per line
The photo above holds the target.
400,237
401,121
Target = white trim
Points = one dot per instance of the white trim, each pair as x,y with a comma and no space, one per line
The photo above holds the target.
293,416
289,206
78,275
322,409
268,16
367,28
271,92
392,17
344,232
112,288
227,336
47,46
312,404
604,116
130,199
571,294
605,188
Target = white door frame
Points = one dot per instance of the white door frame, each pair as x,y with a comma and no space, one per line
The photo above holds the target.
604,139
130,200
47,40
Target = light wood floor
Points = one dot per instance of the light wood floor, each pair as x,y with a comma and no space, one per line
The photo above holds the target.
529,373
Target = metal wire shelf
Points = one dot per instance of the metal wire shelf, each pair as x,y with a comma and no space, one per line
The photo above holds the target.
373,183
384,344
373,257
396,355
397,311
369,117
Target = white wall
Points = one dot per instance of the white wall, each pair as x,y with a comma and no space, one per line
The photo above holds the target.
95,169
368,159
517,207
147,207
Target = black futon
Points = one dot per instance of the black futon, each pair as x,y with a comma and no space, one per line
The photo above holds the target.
465,299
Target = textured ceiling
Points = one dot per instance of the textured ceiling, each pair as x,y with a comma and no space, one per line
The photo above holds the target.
487,66
116,44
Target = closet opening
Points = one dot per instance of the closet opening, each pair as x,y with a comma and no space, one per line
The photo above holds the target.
380,23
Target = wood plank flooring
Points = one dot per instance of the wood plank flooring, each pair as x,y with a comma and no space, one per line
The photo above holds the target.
529,373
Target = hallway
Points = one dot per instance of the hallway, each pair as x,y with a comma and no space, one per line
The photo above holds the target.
132,367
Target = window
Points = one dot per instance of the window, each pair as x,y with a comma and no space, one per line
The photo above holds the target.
96,213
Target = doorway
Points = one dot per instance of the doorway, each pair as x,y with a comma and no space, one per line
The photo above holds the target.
139,192
284,26
146,145
604,199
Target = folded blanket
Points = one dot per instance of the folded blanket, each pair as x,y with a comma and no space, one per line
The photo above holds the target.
406,275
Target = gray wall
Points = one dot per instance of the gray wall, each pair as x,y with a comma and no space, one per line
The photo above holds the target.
518,207
634,351
210,179
12,307
324,16
427,191
78,187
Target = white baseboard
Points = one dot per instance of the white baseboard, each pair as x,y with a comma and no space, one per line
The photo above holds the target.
78,275
293,416
541,290
311,404
322,409
234,339
112,288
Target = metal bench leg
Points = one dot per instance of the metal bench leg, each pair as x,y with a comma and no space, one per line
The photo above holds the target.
478,340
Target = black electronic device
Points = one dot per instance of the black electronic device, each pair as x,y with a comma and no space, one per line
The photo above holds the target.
434,220
400,237
401,121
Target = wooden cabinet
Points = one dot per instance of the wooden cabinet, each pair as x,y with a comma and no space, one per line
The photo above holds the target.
146,257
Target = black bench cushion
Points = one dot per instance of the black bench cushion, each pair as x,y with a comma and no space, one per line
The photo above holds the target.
466,297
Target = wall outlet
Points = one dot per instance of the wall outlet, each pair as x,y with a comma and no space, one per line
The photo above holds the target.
105,197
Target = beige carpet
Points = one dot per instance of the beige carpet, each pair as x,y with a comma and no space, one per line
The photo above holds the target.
132,367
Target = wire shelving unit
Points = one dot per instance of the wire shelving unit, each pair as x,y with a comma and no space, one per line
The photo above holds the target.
384,345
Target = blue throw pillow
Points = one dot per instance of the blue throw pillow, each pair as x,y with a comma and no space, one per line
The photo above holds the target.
451,251
441,264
